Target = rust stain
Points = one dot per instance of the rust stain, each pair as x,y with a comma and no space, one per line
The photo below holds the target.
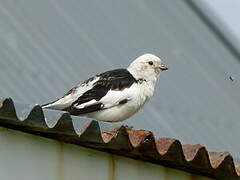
60,162
111,168
137,136
238,169
107,136
193,177
217,158
163,144
190,150
166,173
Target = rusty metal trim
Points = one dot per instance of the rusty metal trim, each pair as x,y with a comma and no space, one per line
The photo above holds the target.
137,144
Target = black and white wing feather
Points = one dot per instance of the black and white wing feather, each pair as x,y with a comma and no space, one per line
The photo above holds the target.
99,92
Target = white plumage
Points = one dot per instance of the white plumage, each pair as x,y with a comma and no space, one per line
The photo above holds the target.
114,95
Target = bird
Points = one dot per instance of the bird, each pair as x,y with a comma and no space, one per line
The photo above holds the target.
114,95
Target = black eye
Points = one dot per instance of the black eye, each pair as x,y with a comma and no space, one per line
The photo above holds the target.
150,63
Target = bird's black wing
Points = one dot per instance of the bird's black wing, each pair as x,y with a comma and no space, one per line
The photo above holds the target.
118,79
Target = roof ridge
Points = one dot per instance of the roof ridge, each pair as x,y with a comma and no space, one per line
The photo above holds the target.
137,144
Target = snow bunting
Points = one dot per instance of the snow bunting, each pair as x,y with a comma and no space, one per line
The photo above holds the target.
113,95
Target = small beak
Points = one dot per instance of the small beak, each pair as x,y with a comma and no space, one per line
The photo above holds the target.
163,67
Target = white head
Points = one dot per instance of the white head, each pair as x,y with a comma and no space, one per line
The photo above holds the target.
147,66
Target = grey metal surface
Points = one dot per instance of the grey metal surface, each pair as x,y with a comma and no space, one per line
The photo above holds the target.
46,47
224,15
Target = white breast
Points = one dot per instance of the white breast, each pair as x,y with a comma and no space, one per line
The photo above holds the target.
137,94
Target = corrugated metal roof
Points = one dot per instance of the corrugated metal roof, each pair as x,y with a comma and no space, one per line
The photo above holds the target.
138,144
48,46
